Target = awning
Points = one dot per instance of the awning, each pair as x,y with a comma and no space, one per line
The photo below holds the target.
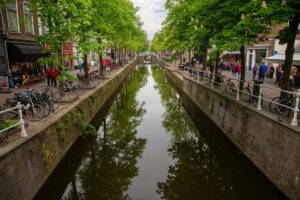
279,58
25,52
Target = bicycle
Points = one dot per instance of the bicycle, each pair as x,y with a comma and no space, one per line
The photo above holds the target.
230,87
251,94
285,104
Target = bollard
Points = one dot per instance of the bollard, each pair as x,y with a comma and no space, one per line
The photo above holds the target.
259,97
23,130
296,109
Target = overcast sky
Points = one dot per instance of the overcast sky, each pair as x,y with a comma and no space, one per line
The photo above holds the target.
152,13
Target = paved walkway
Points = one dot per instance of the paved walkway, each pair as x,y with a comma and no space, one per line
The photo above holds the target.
269,92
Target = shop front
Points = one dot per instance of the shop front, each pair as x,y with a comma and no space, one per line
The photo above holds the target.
4,80
23,62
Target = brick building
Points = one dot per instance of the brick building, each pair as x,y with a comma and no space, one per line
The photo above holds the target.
18,49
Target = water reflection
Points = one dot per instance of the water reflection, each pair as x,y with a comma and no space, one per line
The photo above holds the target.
178,162
109,164
112,160
198,173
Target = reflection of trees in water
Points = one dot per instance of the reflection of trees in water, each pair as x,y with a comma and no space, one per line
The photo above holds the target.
196,174
176,121
111,164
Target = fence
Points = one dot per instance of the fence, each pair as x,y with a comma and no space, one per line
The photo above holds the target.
21,121
282,102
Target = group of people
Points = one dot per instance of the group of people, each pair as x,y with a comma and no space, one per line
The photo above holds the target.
261,71
51,73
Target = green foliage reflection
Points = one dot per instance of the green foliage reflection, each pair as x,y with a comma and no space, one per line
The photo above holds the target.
111,164
196,174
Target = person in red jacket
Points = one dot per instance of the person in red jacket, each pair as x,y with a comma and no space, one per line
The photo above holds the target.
53,74
237,70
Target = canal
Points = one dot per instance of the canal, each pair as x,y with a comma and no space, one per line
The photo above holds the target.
151,143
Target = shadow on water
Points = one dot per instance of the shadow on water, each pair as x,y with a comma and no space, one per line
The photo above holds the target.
208,165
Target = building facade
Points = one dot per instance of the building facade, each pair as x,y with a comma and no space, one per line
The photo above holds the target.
19,52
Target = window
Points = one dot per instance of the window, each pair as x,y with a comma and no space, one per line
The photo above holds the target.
12,15
260,54
28,18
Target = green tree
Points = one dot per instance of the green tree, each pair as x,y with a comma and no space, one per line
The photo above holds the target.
282,12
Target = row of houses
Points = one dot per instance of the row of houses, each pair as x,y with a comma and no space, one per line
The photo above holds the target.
267,49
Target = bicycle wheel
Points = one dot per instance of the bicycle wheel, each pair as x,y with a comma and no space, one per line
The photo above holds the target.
282,107
46,107
245,94
35,113
273,104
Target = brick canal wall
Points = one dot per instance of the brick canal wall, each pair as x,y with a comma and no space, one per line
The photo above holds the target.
27,166
273,147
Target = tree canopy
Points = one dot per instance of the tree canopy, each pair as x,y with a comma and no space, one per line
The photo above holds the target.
227,25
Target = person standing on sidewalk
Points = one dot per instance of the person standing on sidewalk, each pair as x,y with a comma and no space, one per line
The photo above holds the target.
237,70
278,74
254,70
53,74
47,75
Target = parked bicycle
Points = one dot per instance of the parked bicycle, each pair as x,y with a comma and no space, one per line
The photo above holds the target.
250,93
230,87
284,104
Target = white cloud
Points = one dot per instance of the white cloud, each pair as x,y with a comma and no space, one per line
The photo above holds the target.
152,14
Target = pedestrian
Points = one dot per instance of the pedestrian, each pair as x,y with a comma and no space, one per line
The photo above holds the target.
80,65
53,74
255,70
271,72
278,74
47,74
237,70
292,77
262,72
183,60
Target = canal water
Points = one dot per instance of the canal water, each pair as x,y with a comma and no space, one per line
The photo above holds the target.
152,144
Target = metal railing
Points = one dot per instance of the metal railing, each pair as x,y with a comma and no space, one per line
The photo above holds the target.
21,121
231,85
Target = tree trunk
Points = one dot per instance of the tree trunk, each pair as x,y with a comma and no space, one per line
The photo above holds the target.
243,67
204,58
101,68
189,55
289,52
217,62
86,67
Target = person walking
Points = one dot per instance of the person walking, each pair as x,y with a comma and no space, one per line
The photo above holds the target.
278,74
255,70
262,72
